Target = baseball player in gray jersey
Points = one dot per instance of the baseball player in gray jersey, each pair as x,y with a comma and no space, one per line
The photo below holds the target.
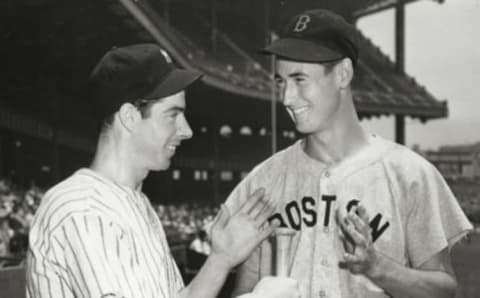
371,217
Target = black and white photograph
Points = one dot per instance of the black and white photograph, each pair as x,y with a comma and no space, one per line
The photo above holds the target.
240,149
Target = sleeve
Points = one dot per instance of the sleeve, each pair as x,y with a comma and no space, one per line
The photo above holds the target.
435,220
99,257
239,195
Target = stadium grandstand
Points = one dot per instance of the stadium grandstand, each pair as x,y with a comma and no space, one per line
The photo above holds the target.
52,46
48,126
457,161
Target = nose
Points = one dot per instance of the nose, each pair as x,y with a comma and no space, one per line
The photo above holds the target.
184,130
288,95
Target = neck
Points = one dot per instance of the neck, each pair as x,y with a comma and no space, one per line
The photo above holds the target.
113,161
342,138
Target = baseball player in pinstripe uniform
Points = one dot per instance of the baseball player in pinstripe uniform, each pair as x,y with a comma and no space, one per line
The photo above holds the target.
95,234
372,218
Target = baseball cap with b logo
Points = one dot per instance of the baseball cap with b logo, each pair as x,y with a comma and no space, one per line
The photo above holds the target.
316,36
302,23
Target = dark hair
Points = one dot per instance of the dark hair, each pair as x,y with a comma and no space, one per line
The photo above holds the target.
202,234
143,105
330,65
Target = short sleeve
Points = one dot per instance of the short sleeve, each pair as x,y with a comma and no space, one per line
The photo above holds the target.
435,220
100,259
239,195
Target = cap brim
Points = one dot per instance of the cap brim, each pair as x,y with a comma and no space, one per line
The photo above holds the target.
176,81
302,50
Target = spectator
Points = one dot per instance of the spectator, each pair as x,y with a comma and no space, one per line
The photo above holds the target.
201,244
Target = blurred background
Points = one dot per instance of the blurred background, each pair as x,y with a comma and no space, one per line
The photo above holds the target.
415,84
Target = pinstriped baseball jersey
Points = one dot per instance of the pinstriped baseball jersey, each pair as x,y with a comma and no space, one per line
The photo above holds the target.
93,238
413,214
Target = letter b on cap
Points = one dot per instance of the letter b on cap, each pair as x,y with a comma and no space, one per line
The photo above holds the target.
301,23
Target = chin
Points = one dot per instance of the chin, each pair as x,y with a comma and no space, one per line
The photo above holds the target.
161,166
308,128
303,129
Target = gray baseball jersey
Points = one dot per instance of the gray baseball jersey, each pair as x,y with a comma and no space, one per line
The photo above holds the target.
413,213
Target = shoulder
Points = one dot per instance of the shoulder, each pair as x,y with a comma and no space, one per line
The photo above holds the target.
69,194
412,176
276,163
404,161
78,194
264,175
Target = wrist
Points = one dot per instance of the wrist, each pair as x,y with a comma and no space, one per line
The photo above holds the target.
377,270
220,262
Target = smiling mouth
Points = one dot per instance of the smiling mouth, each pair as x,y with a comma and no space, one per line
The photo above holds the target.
299,111
172,148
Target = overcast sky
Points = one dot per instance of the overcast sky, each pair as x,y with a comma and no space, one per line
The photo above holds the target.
442,53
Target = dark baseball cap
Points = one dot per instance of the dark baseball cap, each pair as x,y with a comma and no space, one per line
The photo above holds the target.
130,73
316,35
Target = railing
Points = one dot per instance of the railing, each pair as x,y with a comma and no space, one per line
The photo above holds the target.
10,261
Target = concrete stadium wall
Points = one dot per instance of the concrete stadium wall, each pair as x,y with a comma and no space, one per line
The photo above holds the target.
12,282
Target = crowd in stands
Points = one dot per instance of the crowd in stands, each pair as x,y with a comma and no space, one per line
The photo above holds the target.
183,223
17,207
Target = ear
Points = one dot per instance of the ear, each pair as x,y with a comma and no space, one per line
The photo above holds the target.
345,73
129,116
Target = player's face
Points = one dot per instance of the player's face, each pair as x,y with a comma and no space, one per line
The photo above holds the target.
162,131
310,95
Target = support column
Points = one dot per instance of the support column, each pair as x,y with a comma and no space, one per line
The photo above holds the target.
273,93
166,11
216,169
1,155
213,15
400,63
400,36
400,129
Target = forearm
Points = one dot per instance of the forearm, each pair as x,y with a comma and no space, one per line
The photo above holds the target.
400,281
209,280
245,281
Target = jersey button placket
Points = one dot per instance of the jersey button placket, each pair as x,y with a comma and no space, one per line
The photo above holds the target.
326,174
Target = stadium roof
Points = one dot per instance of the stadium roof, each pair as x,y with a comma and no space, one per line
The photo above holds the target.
232,66
375,6
50,46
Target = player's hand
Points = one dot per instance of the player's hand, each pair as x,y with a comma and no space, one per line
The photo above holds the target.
275,287
235,236
360,256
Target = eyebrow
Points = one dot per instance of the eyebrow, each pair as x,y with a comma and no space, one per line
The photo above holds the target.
175,109
292,75
297,74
